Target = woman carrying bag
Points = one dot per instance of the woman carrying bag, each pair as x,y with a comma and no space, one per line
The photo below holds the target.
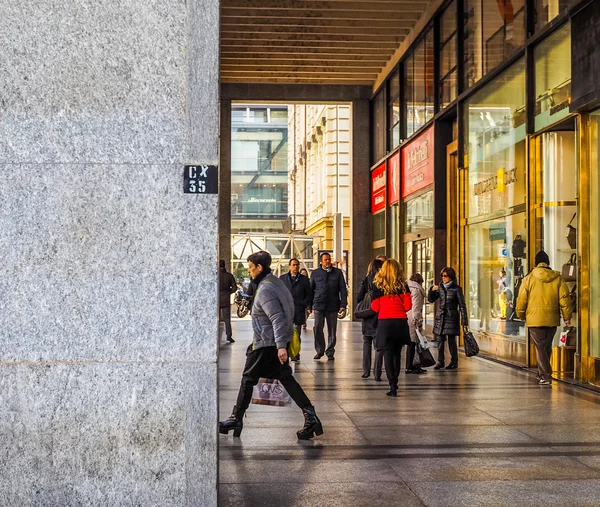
391,301
415,320
369,325
447,319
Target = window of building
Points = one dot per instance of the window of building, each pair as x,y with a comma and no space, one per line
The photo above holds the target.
496,185
493,30
419,91
447,91
553,78
394,110
379,126
547,10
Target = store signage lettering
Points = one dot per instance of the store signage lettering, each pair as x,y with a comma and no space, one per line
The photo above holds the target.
498,182
417,170
254,199
378,189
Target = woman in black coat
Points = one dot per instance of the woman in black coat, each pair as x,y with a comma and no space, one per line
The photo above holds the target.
369,325
447,319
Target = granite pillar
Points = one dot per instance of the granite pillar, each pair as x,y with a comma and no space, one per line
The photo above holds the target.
360,223
108,293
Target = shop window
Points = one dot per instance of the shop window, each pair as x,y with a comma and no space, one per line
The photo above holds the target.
419,91
495,145
496,254
547,10
379,227
394,111
553,78
496,174
419,213
379,126
493,30
447,91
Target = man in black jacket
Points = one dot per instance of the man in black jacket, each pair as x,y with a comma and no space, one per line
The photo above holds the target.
329,295
227,287
299,286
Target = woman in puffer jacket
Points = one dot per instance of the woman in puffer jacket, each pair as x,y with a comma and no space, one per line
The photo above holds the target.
451,311
415,320
391,301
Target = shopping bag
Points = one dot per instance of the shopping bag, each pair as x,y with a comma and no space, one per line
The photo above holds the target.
471,346
270,392
562,341
423,358
293,346
422,339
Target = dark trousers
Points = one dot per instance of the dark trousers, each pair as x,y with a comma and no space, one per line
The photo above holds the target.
452,346
484,319
320,318
367,351
298,327
542,338
225,312
265,363
391,358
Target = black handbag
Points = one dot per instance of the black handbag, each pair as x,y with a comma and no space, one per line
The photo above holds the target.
518,247
363,309
569,270
423,358
572,234
471,347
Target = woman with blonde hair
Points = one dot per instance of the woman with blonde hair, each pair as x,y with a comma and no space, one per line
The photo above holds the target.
392,302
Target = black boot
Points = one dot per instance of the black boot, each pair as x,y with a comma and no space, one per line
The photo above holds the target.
234,422
312,425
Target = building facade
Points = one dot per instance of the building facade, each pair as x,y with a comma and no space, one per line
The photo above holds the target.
319,171
485,151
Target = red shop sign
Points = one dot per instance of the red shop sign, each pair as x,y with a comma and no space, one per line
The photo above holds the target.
417,163
378,189
393,181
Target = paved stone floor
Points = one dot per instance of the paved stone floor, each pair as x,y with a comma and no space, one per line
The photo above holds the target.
484,434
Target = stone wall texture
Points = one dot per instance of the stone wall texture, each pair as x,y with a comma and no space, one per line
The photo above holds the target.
108,290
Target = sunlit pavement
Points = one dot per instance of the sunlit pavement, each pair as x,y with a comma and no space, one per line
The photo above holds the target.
484,434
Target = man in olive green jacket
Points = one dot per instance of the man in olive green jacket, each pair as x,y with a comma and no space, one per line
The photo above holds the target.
543,296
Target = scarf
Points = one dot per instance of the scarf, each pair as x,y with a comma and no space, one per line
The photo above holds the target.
261,276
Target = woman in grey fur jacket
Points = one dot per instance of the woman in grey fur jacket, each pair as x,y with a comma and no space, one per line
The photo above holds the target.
415,320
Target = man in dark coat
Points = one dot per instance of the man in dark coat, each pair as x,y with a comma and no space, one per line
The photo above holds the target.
227,287
299,286
329,295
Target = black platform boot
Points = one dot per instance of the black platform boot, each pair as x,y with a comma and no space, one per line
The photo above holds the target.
312,425
234,422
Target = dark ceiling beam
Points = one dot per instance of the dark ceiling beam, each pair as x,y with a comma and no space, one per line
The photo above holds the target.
328,14
374,45
374,5
389,24
230,36
290,52
252,30
308,59
312,67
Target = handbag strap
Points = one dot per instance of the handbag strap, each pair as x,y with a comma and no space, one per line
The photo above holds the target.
572,219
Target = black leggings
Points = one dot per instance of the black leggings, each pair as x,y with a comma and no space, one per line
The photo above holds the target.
264,362
392,335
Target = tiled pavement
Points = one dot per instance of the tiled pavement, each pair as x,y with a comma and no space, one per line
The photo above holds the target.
484,434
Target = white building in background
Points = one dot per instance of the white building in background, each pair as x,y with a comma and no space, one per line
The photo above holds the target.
319,170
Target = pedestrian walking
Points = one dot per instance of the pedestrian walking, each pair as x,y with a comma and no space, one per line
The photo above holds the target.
543,297
415,321
227,287
369,325
299,287
272,322
392,302
329,295
451,311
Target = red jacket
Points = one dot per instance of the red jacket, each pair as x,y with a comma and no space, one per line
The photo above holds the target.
393,306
